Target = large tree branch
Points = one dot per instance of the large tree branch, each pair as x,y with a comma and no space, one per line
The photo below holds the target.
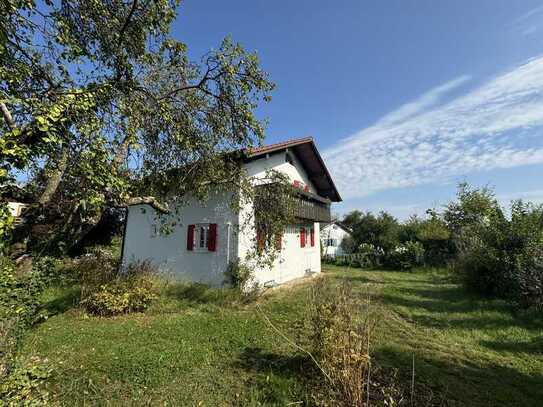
54,179
7,116
148,200
127,21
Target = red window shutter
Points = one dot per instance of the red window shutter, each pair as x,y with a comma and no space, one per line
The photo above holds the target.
212,237
302,237
190,237
312,237
306,188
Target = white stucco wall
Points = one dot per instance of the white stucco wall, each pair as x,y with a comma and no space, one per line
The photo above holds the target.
296,172
332,231
293,261
169,251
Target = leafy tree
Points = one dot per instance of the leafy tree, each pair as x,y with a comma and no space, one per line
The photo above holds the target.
352,218
348,245
381,231
472,206
100,103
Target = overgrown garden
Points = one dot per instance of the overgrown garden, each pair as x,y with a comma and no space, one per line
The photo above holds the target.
495,251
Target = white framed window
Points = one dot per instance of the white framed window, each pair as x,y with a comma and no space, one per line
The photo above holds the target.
331,242
201,236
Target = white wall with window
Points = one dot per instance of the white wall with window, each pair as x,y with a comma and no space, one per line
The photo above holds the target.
206,238
332,235
199,247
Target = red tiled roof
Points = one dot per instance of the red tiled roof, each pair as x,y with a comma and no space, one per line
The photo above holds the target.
278,146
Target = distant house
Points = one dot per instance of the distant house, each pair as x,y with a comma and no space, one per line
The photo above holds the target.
16,209
209,237
332,235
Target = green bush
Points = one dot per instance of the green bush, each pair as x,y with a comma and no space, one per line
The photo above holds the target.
130,290
530,279
241,278
95,269
503,257
405,256
121,296
19,307
19,302
25,385
239,275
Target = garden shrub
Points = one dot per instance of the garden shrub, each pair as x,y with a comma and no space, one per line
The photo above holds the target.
503,257
19,307
126,291
530,279
121,296
239,275
95,269
241,278
405,256
25,385
356,263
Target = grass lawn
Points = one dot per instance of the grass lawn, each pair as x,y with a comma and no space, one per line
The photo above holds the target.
193,347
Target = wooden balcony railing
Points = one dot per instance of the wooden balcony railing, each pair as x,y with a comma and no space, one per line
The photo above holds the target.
309,207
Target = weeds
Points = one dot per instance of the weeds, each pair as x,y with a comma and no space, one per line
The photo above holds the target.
340,328
112,291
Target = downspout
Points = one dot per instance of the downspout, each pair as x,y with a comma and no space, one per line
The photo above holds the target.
121,262
228,229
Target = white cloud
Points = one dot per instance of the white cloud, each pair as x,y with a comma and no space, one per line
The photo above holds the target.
535,196
529,22
537,11
497,125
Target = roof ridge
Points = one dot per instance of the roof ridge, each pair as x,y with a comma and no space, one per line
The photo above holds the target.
280,143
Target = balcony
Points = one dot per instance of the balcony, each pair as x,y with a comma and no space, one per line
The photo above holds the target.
307,206
311,207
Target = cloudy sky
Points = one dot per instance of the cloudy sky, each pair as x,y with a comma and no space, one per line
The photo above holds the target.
404,98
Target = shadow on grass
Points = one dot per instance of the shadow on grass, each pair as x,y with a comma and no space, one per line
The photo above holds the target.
443,302
68,299
201,294
276,379
464,383
535,346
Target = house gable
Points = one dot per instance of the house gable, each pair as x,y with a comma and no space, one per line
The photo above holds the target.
304,154
285,162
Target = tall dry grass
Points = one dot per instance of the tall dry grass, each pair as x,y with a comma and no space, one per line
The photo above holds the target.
340,325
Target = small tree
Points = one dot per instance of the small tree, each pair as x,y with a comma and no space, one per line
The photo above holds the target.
382,231
348,245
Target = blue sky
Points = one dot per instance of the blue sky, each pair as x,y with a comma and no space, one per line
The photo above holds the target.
404,98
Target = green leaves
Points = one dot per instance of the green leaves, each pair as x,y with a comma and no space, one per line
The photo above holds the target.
107,104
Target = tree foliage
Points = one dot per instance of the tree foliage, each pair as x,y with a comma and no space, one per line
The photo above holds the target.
99,103
379,230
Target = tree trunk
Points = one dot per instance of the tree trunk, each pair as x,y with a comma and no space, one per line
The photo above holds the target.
54,179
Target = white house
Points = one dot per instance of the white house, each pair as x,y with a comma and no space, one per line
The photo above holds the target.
332,235
16,209
209,236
